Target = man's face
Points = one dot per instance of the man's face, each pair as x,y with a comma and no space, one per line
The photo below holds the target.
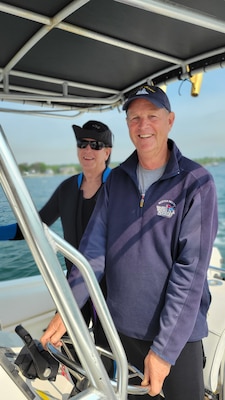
149,126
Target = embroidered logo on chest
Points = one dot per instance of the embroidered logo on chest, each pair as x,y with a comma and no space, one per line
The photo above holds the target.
166,208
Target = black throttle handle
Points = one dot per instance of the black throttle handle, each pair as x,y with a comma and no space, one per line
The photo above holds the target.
33,360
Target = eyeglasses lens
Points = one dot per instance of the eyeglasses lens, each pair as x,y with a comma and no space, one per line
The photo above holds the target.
94,144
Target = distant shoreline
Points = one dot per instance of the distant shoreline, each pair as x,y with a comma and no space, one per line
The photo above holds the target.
42,169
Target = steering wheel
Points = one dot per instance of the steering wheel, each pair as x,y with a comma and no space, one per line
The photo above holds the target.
80,374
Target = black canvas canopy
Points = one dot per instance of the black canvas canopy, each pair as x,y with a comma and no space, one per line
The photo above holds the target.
89,54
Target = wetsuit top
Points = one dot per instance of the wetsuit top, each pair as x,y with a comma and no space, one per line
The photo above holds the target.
68,204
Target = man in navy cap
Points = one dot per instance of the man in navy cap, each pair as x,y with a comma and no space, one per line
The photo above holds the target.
152,232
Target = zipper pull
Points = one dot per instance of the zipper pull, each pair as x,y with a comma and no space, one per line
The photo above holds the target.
142,200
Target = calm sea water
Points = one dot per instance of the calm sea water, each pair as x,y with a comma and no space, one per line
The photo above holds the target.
16,260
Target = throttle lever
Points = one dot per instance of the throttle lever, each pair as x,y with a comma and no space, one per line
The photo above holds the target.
33,360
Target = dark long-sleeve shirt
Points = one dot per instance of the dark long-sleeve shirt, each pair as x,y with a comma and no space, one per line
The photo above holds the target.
68,204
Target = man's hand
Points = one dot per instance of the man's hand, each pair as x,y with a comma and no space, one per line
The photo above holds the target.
155,371
54,332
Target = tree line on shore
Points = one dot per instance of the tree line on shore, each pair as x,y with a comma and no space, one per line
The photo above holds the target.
42,168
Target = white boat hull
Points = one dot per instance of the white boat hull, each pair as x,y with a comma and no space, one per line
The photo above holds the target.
25,301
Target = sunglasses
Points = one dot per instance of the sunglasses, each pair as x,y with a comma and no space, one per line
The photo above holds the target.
94,144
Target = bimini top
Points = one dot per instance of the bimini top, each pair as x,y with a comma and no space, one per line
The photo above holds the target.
89,54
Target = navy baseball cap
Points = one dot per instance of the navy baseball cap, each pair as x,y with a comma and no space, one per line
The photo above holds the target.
151,93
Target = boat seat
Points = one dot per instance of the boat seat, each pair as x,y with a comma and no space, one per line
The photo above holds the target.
214,343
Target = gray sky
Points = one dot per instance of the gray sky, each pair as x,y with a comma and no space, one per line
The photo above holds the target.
199,128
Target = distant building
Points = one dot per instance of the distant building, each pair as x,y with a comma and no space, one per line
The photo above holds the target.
67,170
